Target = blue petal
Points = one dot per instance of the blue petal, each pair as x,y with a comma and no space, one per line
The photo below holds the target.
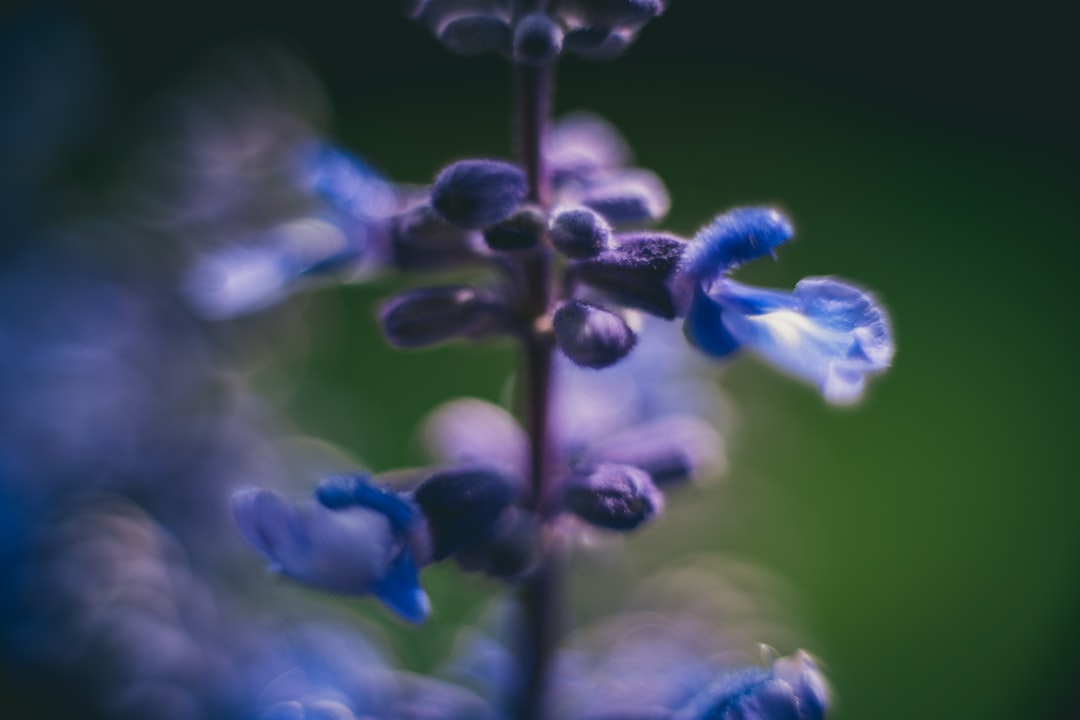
400,590
791,689
734,238
347,490
346,183
344,551
244,278
827,332
704,327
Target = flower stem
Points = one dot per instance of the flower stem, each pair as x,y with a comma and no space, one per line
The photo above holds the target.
540,592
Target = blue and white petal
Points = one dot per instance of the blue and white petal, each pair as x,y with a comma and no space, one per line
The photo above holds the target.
352,550
827,332
244,278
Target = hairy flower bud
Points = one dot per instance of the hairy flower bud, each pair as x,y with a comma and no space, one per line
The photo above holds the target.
421,240
432,315
591,336
462,505
477,193
616,497
520,231
637,272
537,40
579,233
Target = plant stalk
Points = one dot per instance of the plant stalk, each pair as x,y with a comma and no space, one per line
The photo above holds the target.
540,593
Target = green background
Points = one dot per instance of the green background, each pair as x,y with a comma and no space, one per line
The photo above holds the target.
928,538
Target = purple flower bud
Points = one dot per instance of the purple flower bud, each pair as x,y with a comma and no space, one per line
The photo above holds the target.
629,198
475,35
581,144
537,40
616,497
422,240
432,315
579,233
462,505
637,272
591,336
520,231
512,549
477,193
670,448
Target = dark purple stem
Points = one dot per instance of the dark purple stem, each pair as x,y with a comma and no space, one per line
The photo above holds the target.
541,591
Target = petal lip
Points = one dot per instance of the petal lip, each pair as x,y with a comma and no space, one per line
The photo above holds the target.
827,331
735,238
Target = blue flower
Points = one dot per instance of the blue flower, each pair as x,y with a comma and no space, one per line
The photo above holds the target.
792,688
353,549
827,332
344,236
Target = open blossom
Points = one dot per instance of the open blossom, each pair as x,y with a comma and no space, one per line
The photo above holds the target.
827,331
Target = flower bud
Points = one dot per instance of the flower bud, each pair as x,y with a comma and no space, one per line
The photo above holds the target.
629,198
475,35
422,240
432,315
520,231
637,272
477,193
579,233
462,505
616,497
537,40
591,336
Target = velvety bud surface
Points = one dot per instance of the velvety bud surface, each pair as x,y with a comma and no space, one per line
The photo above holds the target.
520,231
537,40
591,336
421,240
477,193
462,506
432,315
637,272
579,233
616,497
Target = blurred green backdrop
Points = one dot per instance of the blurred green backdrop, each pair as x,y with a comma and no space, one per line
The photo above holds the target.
926,151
